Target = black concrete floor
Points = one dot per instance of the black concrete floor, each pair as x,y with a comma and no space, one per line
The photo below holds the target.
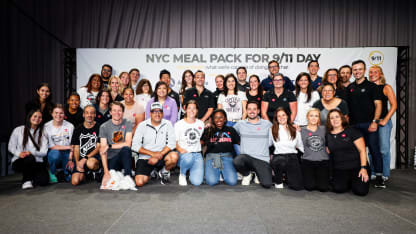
62,208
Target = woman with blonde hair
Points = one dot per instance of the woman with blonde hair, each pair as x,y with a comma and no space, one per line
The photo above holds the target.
376,76
115,88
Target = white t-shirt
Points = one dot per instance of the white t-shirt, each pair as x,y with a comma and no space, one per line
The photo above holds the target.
142,98
304,107
232,105
85,97
188,135
284,145
59,135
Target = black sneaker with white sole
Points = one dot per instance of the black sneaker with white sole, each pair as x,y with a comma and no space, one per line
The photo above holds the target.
164,177
379,183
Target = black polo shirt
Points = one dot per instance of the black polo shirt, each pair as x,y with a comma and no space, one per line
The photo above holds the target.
275,102
175,96
342,93
361,99
205,100
243,88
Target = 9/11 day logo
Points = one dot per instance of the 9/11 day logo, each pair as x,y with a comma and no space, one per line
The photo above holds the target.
376,57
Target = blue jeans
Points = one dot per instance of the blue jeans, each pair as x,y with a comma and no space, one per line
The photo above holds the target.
121,161
58,158
212,175
373,144
384,133
195,164
236,146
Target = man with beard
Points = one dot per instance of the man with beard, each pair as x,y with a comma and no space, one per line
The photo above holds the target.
106,72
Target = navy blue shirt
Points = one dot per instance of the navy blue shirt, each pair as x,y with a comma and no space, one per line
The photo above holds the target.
267,84
316,83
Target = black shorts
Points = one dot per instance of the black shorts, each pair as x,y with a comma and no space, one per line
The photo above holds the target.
86,169
143,168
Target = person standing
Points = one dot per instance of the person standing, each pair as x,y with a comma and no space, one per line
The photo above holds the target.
73,111
313,68
106,72
267,83
255,142
42,101
376,76
345,73
305,96
242,84
364,101
170,109
134,75
204,97
165,77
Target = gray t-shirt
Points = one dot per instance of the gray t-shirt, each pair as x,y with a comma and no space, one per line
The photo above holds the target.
314,144
114,134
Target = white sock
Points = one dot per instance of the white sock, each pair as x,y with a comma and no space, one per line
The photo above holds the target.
164,170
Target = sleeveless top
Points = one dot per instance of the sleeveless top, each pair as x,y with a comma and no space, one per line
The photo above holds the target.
384,101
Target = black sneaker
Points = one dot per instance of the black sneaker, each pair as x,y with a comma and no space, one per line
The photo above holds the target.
154,175
379,183
164,177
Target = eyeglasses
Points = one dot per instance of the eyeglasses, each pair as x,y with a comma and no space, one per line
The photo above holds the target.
273,66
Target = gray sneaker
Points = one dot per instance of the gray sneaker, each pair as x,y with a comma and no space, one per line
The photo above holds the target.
164,177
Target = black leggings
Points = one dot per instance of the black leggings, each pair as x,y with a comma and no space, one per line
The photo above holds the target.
315,175
348,179
288,163
32,170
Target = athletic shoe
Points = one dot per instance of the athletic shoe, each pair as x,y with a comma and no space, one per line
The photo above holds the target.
256,179
221,178
27,185
385,178
278,186
373,177
246,179
164,177
154,175
52,178
379,182
182,180
239,176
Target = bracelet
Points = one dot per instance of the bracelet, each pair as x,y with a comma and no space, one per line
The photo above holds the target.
364,167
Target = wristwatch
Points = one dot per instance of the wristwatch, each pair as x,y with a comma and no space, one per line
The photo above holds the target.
376,121
109,146
363,167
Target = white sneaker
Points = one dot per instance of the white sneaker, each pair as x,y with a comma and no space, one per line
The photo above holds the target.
239,176
246,179
182,180
385,178
256,179
373,177
278,186
221,178
27,185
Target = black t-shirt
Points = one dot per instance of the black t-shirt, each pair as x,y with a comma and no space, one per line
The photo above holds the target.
341,93
361,99
101,118
216,95
118,98
221,141
243,88
384,102
343,149
86,138
175,96
205,100
76,119
275,102
256,98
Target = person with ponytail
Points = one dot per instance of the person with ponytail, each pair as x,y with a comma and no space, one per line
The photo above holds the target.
29,147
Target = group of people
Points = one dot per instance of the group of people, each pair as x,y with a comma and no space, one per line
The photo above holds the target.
311,134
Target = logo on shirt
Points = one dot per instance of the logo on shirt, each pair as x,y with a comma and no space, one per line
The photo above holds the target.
118,136
87,142
362,90
284,99
232,104
193,136
315,143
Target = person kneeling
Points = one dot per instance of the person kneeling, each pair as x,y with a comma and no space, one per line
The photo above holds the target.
154,140
219,155
85,146
286,139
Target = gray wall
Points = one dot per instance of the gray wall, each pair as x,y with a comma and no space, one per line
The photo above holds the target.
29,55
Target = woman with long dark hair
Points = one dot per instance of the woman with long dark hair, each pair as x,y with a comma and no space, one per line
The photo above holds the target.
29,147
332,76
89,92
143,92
170,108
219,140
286,141
305,96
256,92
232,101
42,102
346,146
102,107
187,82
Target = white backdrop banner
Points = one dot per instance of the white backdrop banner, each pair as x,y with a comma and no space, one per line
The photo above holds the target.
214,61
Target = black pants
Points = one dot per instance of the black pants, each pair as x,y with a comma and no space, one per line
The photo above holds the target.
244,164
32,170
348,179
289,164
315,175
